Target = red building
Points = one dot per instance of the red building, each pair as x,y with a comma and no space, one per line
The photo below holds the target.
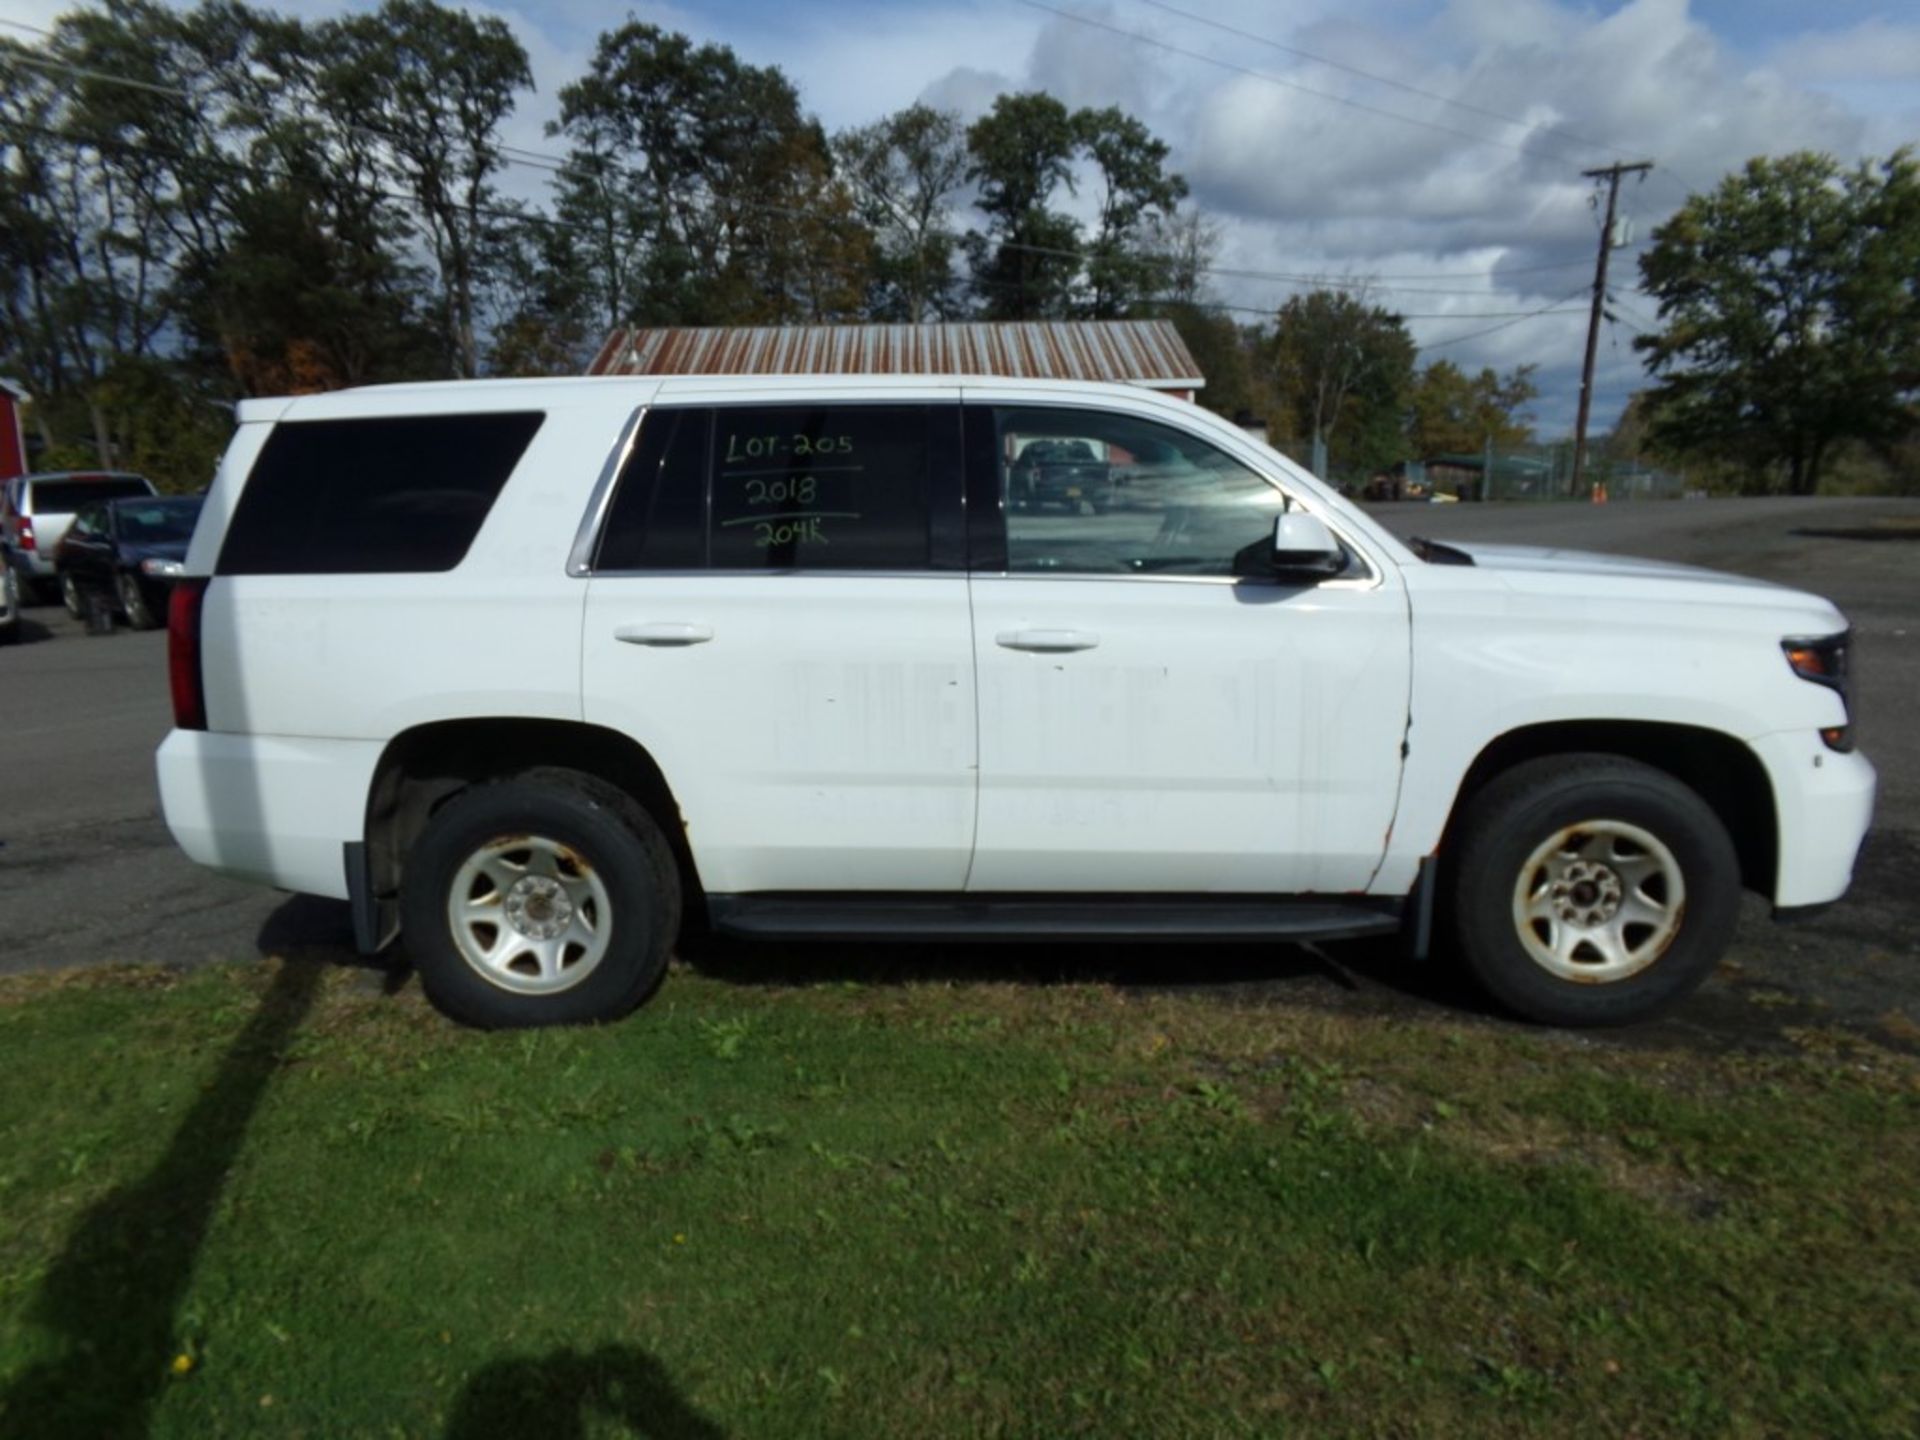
13,441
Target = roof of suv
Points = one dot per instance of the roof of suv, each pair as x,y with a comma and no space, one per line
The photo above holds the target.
447,395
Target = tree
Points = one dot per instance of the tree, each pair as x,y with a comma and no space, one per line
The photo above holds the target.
306,274
1789,298
1220,352
1025,262
1341,368
548,325
1453,413
1182,246
436,83
704,194
904,172
1124,260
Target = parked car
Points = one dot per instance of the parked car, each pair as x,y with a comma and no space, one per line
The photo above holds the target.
35,511
1066,473
128,552
521,670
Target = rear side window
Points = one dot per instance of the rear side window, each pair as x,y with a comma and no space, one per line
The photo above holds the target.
63,497
358,497
810,487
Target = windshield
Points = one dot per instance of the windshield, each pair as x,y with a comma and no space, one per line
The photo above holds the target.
155,522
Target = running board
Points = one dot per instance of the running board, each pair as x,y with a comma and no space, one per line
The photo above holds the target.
1034,917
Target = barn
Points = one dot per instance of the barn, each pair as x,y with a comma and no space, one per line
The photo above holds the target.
1148,353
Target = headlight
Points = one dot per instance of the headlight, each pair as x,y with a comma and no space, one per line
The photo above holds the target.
163,569
1826,661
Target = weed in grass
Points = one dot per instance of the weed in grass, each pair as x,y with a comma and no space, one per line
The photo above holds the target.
724,1038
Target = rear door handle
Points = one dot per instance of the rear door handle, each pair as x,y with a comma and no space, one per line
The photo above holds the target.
664,632
1048,642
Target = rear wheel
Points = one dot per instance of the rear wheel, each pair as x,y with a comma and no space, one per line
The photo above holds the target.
1592,890
71,597
550,899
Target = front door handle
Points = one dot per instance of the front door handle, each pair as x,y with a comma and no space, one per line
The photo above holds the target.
664,632
1047,642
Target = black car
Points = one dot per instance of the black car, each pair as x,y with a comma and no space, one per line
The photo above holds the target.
1060,472
129,551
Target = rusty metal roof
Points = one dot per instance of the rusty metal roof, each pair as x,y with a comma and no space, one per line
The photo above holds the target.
1139,352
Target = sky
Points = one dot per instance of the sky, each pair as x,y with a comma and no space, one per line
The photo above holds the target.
1432,148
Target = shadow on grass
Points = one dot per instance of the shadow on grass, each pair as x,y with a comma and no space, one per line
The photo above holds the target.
113,1294
551,1396
1354,974
311,928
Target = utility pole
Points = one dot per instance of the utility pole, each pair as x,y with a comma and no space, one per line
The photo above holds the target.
1611,174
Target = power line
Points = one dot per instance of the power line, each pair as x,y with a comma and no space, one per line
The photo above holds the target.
1138,38
1548,309
1377,79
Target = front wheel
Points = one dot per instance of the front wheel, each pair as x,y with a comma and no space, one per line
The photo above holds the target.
134,604
1592,890
550,899
71,597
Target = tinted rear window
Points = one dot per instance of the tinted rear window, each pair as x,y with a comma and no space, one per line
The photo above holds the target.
63,497
358,497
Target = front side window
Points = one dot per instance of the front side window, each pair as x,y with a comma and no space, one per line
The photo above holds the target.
807,487
1096,493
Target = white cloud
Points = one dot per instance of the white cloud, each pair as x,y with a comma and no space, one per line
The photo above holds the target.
1875,49
1306,184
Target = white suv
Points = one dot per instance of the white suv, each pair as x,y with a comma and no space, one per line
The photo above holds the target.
521,668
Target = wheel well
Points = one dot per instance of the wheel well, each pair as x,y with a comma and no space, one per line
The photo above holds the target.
425,767
1714,765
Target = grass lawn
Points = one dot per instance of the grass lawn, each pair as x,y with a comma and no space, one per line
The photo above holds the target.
271,1201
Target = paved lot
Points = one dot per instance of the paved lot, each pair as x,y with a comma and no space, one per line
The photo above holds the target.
89,876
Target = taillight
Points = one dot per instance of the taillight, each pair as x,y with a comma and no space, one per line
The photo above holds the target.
183,654
26,533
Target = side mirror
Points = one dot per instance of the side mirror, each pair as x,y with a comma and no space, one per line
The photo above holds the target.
1302,542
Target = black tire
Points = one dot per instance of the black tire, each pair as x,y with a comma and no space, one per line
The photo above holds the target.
71,596
613,841
1587,812
133,603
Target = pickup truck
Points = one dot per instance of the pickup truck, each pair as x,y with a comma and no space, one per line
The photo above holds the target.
528,671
